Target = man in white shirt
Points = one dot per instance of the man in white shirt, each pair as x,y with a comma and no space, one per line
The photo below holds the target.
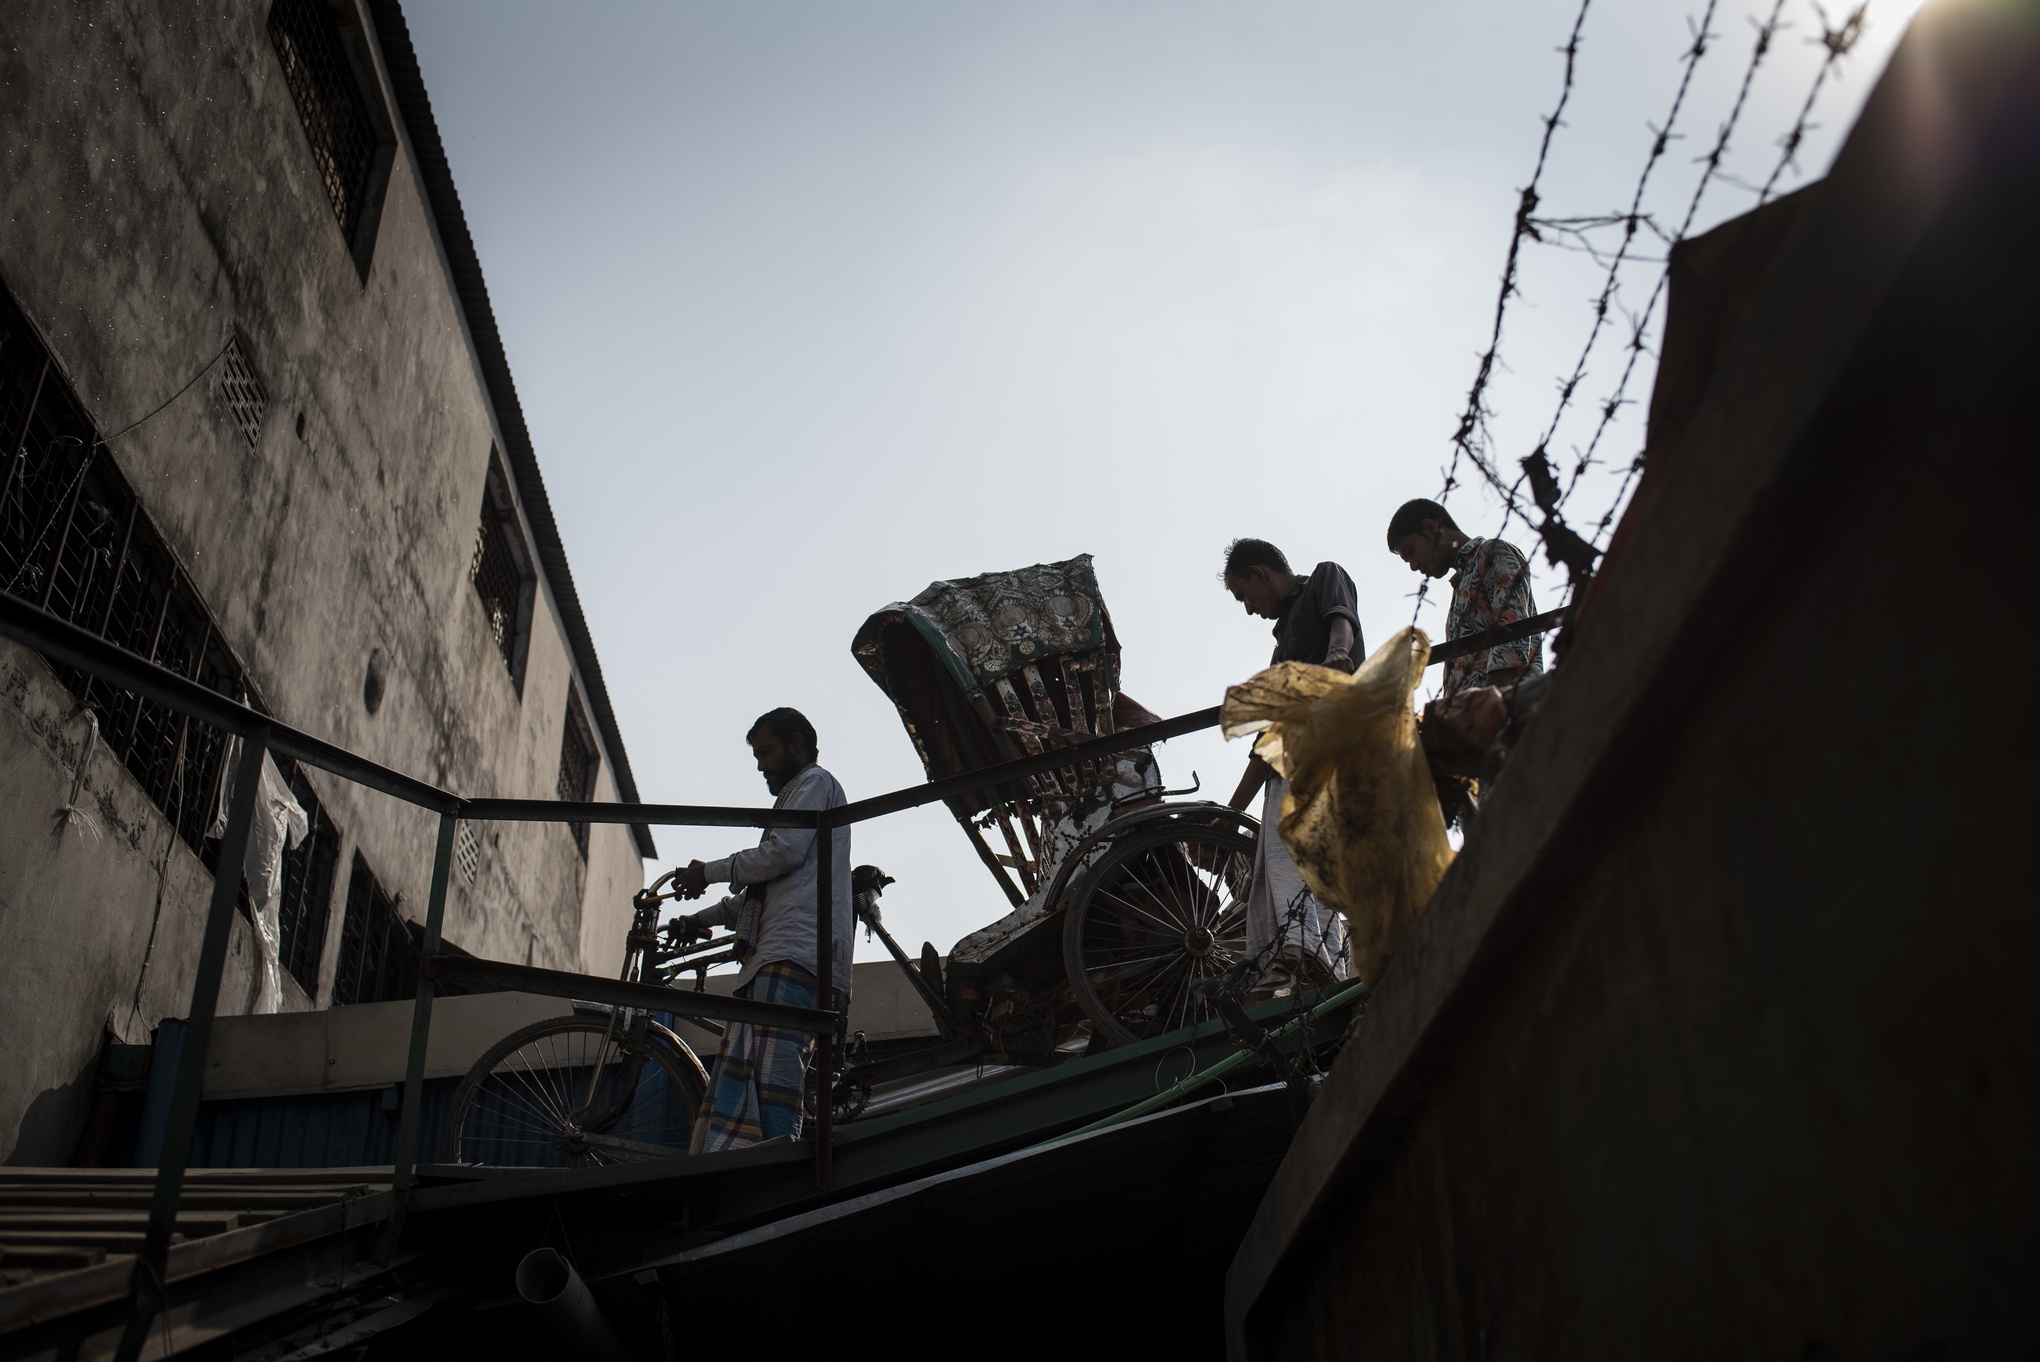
754,1092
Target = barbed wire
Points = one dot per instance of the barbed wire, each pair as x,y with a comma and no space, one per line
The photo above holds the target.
1562,544
1767,32
1473,420
1473,439
1711,163
1839,41
1629,222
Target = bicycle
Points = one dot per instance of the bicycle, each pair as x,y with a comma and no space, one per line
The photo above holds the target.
603,1085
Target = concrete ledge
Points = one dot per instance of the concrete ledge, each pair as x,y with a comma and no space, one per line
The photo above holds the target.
1690,571
366,1046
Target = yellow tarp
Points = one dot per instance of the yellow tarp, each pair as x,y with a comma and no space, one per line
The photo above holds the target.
1361,817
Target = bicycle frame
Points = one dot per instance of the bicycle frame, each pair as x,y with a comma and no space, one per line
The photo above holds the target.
642,952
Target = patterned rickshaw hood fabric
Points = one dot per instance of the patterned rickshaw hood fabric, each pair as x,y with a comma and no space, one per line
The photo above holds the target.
987,627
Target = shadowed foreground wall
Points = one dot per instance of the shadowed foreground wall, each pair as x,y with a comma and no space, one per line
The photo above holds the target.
1718,1039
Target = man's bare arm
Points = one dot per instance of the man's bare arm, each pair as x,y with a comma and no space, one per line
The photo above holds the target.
1339,655
1251,780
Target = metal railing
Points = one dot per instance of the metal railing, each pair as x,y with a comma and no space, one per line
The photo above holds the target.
1495,638
68,644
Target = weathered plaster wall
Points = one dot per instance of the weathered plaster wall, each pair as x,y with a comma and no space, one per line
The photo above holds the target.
157,193
76,906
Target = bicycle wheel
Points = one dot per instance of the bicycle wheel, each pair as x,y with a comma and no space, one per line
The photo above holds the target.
566,1093
1153,926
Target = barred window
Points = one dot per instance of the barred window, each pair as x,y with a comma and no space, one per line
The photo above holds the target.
75,540
238,390
467,853
337,120
579,758
308,872
501,570
378,954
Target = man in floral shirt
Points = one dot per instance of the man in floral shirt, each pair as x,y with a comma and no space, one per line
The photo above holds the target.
1490,588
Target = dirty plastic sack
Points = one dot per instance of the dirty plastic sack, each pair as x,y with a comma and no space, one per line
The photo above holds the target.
1361,818
280,824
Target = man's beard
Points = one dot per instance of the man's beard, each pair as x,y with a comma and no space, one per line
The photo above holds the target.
778,779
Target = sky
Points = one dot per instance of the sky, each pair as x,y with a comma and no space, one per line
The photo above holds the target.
811,304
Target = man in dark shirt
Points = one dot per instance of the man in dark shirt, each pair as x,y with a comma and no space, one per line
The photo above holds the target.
1315,621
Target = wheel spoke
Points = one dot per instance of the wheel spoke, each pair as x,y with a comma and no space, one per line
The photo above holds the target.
1162,923
1169,895
1119,967
1147,983
521,1109
1183,911
1159,916
601,1058
501,1123
1146,950
1157,881
546,1116
543,1099
1151,986
551,1073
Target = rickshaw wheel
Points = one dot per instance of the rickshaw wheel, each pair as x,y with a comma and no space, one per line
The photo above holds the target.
1154,926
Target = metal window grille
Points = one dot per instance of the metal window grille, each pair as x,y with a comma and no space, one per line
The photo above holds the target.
308,872
467,853
238,390
329,102
578,761
498,583
378,962
501,573
75,540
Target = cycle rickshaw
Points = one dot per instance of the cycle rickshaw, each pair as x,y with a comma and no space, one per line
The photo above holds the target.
1127,901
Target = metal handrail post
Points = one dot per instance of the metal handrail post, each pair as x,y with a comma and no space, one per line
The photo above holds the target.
421,1007
403,1163
150,1286
825,981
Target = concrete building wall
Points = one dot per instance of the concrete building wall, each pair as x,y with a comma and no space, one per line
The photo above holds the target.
159,197
1714,1041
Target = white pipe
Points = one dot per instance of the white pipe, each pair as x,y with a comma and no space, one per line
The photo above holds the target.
550,1285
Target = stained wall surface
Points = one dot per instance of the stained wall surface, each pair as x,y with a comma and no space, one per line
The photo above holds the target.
159,195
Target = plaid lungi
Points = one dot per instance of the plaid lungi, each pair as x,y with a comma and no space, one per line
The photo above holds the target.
755,1091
